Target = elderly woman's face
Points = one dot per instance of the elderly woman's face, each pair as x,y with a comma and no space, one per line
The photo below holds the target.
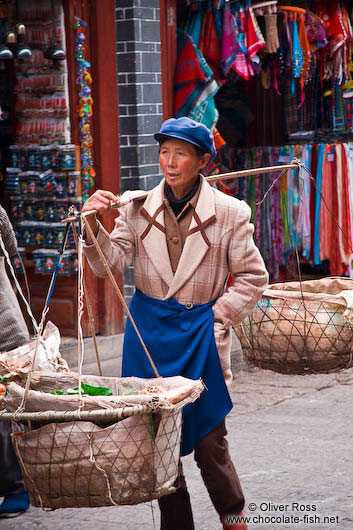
180,164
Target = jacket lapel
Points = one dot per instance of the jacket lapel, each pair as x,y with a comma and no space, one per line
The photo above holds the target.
197,241
153,236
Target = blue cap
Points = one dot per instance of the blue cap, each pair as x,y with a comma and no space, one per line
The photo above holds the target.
190,131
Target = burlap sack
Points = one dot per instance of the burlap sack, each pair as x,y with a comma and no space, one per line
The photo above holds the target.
80,463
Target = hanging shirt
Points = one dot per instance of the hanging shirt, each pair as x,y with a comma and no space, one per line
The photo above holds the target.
189,79
209,44
327,222
344,210
318,180
349,158
229,45
305,187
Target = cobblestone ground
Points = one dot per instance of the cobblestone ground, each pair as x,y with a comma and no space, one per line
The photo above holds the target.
291,442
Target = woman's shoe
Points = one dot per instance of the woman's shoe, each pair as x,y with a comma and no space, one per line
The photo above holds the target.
14,504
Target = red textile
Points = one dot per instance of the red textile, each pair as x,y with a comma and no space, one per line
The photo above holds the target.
346,207
327,199
255,40
188,74
209,45
336,266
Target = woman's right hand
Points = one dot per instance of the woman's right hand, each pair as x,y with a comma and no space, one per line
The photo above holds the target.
100,201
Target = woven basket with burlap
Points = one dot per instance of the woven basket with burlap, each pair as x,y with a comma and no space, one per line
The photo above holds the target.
301,327
79,450
126,455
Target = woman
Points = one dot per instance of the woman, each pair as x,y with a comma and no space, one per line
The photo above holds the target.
185,239
13,333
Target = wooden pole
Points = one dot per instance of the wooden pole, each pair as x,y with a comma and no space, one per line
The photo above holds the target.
212,178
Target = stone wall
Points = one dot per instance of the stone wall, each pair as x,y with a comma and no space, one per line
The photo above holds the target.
140,97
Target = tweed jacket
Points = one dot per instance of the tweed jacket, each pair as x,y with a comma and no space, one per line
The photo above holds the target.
219,242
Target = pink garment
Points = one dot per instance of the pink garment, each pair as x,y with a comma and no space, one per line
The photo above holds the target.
240,65
229,46
344,209
327,197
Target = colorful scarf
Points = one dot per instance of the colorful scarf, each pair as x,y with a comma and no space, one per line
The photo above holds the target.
189,78
229,43
209,44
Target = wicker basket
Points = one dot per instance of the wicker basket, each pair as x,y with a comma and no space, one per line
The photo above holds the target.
103,462
301,328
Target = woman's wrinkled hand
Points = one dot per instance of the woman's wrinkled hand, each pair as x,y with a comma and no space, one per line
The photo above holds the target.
100,201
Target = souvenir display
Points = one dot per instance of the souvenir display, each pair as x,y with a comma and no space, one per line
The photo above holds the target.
40,199
45,260
84,81
19,259
42,175
42,102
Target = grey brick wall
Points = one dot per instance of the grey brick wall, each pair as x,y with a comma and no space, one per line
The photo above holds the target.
140,97
140,91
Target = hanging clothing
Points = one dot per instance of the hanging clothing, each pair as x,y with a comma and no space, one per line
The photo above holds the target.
241,65
209,44
254,39
204,109
344,207
193,24
297,55
277,241
230,46
305,187
327,222
189,79
318,181
349,158
305,46
194,84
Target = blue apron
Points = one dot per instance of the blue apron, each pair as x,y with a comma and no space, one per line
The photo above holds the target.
181,342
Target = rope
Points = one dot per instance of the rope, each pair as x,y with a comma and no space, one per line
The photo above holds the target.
92,459
80,344
89,308
39,339
118,292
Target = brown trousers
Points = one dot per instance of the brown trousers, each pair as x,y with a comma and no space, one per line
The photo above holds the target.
220,478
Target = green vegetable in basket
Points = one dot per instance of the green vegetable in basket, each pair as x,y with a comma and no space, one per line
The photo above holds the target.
96,390
89,390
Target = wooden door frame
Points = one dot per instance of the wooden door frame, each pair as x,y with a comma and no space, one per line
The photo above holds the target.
101,53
